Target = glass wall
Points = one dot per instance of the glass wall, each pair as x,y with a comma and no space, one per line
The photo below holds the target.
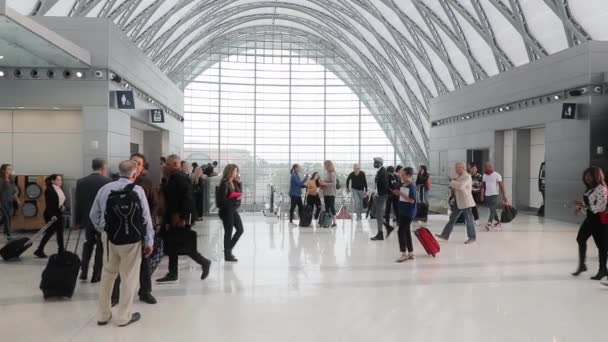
268,108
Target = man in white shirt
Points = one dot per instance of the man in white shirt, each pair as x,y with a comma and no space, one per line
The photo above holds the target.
493,186
121,258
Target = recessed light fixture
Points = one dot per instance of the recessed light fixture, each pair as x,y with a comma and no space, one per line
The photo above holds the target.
556,97
78,74
126,85
507,108
56,108
501,109
1,73
1,57
20,107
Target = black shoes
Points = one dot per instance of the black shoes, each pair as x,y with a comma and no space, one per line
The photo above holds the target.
148,298
95,279
600,275
206,268
134,318
581,269
378,237
102,323
40,254
83,276
230,258
389,230
167,278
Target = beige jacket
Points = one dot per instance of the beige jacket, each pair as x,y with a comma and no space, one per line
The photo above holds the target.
463,191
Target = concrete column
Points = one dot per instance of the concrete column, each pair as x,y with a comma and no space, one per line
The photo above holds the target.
521,169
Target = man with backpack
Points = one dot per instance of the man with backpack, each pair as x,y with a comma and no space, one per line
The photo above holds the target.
122,212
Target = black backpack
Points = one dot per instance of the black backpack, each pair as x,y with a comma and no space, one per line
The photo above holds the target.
124,222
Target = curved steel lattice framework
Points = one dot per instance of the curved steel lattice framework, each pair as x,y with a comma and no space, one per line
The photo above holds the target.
408,51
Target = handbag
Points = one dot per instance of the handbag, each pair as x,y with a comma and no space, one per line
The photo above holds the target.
157,254
603,217
508,214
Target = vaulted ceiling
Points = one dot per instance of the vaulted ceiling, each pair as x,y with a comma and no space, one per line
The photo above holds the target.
410,50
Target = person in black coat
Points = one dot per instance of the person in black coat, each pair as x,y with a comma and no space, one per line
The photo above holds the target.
86,190
179,209
228,201
55,203
383,190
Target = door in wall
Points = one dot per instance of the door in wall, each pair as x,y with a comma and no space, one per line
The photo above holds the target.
478,157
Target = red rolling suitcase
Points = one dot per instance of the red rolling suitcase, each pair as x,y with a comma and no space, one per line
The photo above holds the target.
428,241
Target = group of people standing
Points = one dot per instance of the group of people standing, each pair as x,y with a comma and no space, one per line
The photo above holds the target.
315,186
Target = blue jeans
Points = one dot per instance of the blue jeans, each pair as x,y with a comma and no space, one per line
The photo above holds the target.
468,218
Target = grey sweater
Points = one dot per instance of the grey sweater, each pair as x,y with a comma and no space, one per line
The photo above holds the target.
330,189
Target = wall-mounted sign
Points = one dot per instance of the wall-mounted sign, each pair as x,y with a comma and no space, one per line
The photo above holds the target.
157,116
569,111
124,99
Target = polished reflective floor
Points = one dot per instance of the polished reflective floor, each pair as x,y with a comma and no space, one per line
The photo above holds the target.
314,284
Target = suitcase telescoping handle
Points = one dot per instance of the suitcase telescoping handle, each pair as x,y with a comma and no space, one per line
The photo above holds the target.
44,228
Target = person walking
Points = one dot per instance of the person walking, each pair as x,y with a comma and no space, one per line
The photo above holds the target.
86,190
8,198
382,192
228,201
407,212
593,203
312,193
179,206
124,242
295,191
54,199
477,179
329,184
392,201
493,186
356,183
462,187
423,180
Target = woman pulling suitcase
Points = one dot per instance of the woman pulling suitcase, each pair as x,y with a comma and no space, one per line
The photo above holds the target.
55,200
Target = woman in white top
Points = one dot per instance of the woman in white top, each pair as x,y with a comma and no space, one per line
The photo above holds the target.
328,184
55,204
594,203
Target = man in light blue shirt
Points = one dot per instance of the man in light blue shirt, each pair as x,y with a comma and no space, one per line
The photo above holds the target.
125,258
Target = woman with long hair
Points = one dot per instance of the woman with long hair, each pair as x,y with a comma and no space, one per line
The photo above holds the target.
8,197
328,184
228,201
55,203
593,203
312,193
295,190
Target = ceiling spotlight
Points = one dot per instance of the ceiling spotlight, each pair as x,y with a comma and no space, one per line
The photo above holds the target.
99,74
1,73
34,73
50,74
67,74
126,85
468,116
507,108
597,89
1,57
18,73
115,78
557,97
501,109
79,74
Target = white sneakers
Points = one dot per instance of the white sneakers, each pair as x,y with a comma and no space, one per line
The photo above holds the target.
405,257
497,226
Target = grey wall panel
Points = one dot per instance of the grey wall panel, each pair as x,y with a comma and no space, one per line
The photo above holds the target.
50,93
153,149
521,174
563,70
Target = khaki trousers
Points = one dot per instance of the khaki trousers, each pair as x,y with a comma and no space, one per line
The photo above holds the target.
124,260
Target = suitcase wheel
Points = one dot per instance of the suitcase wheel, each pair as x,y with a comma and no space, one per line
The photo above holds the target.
433,255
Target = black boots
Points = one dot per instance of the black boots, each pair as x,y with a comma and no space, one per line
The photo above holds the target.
206,267
581,268
378,237
229,257
600,275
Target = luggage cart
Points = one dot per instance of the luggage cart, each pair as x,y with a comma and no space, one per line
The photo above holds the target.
273,209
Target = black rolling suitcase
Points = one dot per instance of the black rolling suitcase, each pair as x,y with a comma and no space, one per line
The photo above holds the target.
14,248
61,272
307,213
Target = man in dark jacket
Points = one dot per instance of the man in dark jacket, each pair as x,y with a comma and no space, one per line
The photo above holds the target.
382,192
179,209
86,190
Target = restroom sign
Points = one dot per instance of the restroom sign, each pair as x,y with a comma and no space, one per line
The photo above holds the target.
157,116
124,99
